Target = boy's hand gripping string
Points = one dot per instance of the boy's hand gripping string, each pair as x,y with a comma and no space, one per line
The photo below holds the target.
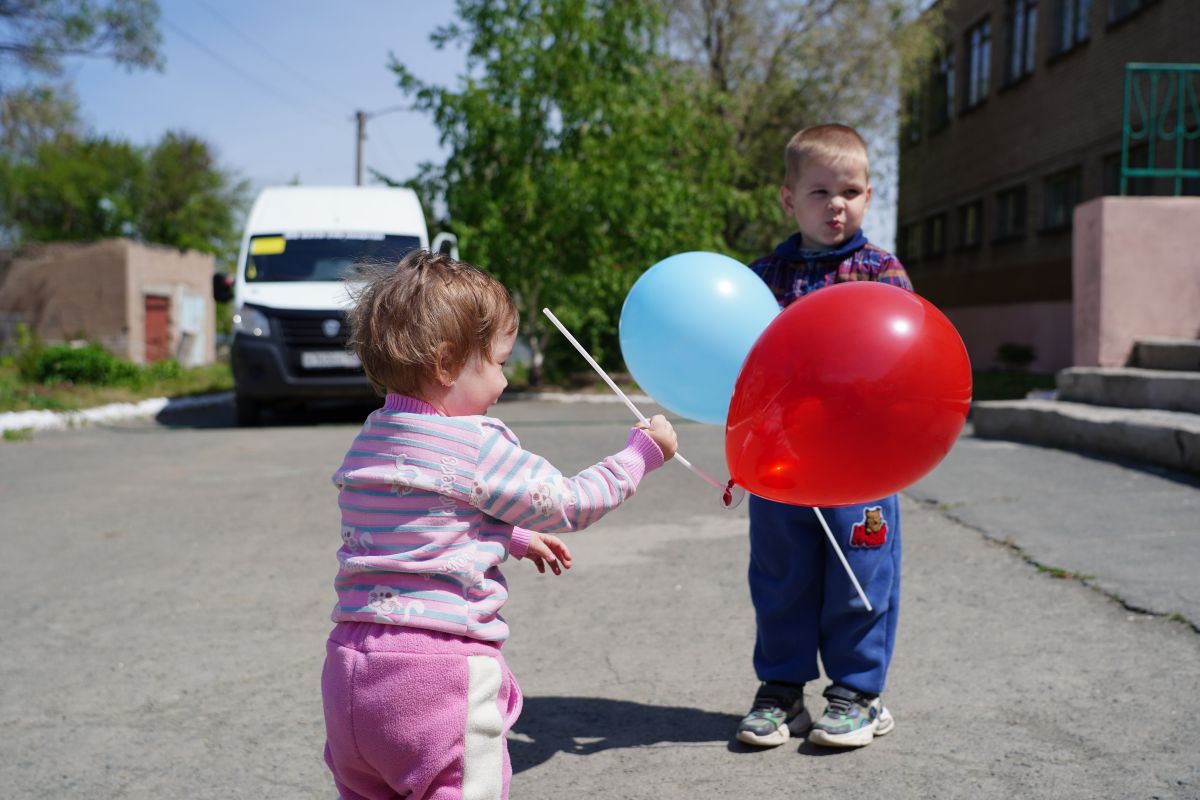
731,495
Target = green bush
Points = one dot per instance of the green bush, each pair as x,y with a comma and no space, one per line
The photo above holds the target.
91,364
29,351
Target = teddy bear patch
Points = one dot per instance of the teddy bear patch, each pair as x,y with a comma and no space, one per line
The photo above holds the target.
872,531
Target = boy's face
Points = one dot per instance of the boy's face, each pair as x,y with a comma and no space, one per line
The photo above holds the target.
828,201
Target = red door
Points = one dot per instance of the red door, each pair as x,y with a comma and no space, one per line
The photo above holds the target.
158,328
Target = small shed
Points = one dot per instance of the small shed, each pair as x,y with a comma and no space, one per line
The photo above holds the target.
144,303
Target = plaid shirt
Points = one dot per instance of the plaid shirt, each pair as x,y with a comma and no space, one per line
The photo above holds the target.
789,278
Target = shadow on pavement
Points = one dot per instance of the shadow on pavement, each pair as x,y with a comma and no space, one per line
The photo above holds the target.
586,725
222,415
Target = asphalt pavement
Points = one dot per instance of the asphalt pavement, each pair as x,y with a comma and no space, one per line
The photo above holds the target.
167,585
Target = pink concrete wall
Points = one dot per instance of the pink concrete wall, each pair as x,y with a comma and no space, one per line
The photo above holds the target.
186,279
96,291
1135,273
70,291
1045,326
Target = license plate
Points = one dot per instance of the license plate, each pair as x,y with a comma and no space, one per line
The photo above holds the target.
329,359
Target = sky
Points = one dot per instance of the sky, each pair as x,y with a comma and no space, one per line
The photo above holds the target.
273,86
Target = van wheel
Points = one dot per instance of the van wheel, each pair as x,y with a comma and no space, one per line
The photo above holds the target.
249,411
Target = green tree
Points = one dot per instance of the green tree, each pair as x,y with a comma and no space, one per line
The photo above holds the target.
578,156
173,193
190,202
33,115
75,190
35,35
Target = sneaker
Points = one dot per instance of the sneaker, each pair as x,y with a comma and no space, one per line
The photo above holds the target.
851,719
778,712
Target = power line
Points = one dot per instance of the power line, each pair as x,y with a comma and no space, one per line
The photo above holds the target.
258,48
282,96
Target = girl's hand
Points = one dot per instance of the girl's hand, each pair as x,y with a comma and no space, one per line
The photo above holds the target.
663,435
548,550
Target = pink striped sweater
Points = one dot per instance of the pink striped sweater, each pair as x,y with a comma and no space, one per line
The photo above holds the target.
431,505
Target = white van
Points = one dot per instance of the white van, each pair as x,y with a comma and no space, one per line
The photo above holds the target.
290,296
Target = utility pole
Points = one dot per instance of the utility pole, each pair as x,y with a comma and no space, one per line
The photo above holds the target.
360,122
360,117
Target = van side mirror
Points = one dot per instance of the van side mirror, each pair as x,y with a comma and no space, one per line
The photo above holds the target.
445,244
222,287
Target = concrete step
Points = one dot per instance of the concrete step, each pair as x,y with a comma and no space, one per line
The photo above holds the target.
1162,353
1166,438
1131,387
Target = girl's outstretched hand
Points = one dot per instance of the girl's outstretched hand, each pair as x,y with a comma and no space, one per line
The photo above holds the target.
663,435
547,550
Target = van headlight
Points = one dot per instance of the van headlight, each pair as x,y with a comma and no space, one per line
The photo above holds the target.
250,321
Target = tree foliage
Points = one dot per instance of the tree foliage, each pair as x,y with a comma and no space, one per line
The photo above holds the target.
579,155
83,189
33,115
35,35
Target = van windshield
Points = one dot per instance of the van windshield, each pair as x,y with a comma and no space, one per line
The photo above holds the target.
320,256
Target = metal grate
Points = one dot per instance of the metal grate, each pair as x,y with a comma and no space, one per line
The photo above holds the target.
1162,114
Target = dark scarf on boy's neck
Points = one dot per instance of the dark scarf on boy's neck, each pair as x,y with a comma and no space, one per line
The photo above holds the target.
793,249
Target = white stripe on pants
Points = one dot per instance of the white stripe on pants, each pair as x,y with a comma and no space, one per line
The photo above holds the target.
483,756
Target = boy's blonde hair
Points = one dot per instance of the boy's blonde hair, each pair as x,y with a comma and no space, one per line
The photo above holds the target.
831,143
405,313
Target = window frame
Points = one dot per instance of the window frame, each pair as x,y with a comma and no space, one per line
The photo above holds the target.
962,242
978,66
1021,47
1003,232
941,90
933,235
1071,181
1120,10
1072,26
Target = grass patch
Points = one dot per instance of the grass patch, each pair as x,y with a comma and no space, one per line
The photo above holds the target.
19,394
18,434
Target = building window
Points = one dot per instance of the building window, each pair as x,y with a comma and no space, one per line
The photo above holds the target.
970,225
1120,9
1022,36
935,236
912,117
941,91
1071,24
1061,192
1010,214
979,60
908,244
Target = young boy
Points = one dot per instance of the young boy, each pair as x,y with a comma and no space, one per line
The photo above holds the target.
804,603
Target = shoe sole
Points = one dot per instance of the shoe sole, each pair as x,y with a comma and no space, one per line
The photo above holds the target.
859,738
799,725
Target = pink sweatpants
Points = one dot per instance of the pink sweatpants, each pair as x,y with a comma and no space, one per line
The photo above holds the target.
416,714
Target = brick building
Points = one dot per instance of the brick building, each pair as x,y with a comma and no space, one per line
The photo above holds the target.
1020,120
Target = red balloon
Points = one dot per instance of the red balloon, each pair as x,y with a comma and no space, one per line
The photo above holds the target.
851,394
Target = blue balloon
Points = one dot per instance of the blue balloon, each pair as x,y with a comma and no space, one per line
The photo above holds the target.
686,327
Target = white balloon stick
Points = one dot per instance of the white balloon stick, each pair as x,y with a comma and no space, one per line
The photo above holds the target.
845,563
629,403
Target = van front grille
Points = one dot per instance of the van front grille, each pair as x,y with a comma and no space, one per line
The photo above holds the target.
309,329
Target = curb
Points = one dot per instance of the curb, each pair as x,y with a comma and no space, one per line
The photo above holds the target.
50,420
